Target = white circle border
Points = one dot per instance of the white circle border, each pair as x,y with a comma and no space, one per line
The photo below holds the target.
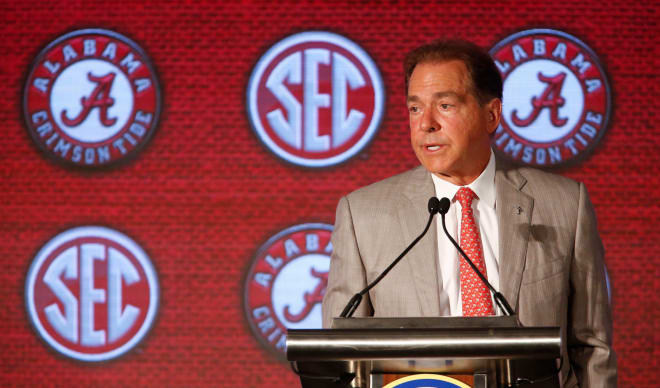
154,77
92,231
263,248
605,77
329,37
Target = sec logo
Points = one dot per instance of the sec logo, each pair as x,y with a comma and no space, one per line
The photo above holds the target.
91,98
91,293
556,98
315,99
426,381
285,284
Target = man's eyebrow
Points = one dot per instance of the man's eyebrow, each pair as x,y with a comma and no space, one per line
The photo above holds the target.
410,99
447,94
436,96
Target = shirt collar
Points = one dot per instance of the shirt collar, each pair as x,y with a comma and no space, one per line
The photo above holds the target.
483,186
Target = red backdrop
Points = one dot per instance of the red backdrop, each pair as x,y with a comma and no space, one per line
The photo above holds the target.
204,194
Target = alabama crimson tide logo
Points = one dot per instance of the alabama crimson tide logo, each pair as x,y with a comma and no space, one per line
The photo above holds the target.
91,293
286,282
315,99
91,98
557,99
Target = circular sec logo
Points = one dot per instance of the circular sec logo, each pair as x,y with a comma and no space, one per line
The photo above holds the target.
315,99
556,98
426,381
91,293
286,282
91,98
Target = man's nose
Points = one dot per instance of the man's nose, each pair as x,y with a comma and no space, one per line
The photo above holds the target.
428,123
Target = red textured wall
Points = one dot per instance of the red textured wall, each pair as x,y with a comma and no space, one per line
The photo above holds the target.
204,194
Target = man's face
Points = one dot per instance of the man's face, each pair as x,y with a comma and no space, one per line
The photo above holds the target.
449,129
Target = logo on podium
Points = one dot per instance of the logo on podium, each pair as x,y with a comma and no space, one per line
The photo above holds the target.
285,284
556,99
91,293
91,98
426,381
315,99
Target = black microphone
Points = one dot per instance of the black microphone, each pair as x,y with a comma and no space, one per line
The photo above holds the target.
444,204
352,305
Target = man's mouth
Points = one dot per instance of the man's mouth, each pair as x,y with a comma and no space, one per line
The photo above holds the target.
433,147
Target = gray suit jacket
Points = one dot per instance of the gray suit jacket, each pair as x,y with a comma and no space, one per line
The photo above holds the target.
550,257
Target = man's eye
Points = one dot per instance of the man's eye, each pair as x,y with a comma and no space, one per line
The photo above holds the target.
413,109
444,106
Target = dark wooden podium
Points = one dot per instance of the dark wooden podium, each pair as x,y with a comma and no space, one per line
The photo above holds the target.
485,352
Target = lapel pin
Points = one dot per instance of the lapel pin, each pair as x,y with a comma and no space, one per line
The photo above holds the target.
519,210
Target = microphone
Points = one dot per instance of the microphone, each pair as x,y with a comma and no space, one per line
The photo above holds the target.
443,205
443,208
434,206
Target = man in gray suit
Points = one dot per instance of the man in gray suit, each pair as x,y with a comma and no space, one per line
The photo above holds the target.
538,242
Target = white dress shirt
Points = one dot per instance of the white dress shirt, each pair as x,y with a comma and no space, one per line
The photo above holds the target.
486,219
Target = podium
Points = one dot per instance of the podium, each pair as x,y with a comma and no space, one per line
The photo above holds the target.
491,352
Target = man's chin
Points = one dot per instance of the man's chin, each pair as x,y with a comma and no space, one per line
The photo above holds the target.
439,171
436,165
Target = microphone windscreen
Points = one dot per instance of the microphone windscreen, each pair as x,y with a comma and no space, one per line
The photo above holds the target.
443,205
434,205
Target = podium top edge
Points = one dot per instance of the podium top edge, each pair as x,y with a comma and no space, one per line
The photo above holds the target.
427,322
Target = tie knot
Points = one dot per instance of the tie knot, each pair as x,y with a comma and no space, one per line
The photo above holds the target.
464,196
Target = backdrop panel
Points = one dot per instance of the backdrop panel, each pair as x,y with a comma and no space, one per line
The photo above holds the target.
210,204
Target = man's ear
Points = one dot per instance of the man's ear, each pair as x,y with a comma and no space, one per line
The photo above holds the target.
494,109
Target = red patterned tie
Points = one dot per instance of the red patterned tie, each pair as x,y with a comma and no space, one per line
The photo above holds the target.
474,294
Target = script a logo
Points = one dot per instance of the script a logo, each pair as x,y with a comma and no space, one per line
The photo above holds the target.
91,98
286,282
100,98
311,299
315,99
556,98
91,293
550,99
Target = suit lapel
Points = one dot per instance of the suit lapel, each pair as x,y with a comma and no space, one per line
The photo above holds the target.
422,259
514,214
